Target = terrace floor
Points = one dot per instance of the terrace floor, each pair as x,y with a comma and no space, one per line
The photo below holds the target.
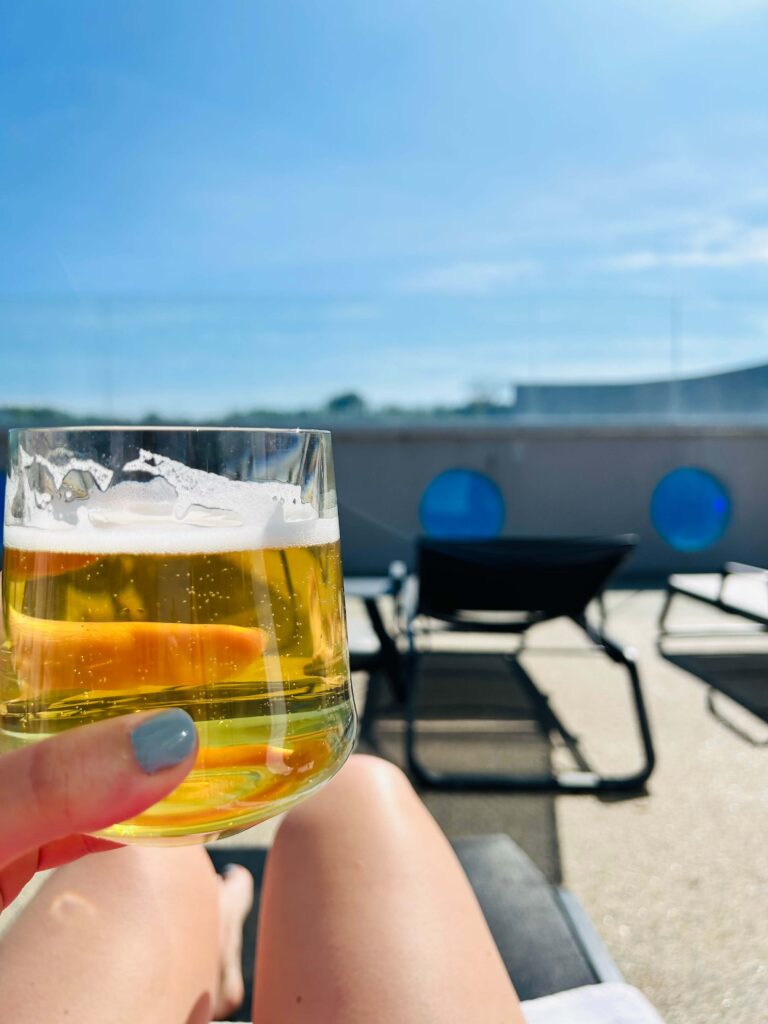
676,881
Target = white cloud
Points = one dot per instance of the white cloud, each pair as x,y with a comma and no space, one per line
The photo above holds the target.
704,11
470,277
720,243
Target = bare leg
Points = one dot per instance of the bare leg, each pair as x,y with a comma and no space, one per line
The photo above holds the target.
367,917
126,936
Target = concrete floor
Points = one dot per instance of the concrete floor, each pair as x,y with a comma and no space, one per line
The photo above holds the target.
676,880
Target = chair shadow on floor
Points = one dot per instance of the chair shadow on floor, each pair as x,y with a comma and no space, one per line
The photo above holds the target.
740,676
496,728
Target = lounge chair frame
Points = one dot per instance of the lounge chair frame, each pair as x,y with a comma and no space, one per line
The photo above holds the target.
386,660
608,553
715,709
719,602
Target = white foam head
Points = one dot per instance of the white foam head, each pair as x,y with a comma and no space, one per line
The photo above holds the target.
181,510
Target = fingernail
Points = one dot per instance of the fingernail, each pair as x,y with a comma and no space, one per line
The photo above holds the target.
163,740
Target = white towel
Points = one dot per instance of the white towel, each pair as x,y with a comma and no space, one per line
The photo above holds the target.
611,1003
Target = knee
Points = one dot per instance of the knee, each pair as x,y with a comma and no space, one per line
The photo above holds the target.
179,873
136,865
366,787
370,774
368,781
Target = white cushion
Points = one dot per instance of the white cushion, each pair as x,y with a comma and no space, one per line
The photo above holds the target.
698,584
611,1003
742,591
362,639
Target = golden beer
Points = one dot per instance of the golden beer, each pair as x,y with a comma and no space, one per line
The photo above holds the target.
251,642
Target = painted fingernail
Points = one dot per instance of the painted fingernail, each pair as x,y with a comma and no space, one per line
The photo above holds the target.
163,740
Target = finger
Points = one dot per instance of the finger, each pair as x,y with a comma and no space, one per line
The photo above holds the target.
62,851
13,877
91,777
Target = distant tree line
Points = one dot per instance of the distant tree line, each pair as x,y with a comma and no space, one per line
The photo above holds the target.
348,406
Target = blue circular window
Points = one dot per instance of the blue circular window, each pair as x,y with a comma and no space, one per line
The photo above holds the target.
690,509
462,503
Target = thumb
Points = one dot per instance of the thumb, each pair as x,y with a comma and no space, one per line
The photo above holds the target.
91,777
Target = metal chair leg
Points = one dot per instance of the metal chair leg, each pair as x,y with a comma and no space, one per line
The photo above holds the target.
718,713
662,624
578,781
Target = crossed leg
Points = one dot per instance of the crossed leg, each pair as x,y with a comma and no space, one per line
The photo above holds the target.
366,916
124,936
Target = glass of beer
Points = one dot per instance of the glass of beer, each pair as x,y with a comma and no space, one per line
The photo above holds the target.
149,568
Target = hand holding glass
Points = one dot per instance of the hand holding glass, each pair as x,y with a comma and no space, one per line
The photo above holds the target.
148,568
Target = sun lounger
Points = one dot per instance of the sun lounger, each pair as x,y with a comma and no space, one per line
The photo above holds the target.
739,589
508,586
741,676
372,647
554,957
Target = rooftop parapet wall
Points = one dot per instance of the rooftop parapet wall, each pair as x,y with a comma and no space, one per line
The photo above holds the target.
554,480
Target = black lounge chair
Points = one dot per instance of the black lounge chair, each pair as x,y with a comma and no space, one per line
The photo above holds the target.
510,585
374,648
738,589
547,942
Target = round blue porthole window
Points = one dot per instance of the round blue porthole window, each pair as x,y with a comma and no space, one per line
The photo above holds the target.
462,503
690,509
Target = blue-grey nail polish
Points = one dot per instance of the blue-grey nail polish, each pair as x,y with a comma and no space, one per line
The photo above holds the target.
163,740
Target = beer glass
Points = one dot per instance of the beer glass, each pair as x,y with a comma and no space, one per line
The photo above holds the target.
148,568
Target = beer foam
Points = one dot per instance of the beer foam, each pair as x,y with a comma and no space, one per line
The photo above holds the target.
179,511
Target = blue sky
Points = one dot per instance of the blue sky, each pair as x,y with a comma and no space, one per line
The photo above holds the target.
207,206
